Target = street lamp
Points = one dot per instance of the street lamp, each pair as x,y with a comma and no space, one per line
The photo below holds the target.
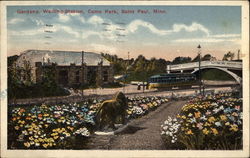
199,57
126,69
82,73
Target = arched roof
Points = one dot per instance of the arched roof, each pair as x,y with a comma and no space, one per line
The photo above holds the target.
62,58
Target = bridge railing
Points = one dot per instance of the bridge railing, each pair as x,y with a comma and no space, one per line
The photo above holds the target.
228,64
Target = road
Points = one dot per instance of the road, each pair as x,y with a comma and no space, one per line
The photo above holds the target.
129,90
140,134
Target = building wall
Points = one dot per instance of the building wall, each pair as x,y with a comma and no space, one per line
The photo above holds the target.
76,75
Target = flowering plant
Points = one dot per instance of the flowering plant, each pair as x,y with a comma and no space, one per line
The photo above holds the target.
212,122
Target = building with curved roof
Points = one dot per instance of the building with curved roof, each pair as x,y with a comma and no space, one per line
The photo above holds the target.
70,67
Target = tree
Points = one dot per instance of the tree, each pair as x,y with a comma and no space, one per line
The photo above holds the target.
228,56
207,57
181,60
12,59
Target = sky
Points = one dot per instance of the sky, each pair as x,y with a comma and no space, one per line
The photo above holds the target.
170,32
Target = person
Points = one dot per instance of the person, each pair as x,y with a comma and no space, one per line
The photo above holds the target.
139,86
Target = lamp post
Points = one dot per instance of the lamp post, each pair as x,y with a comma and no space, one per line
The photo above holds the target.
126,69
199,57
82,73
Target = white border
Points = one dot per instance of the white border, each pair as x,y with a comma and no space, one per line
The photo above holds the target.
127,153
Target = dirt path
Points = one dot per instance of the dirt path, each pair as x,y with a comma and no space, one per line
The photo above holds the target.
141,134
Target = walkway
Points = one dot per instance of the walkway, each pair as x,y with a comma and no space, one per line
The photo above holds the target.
141,134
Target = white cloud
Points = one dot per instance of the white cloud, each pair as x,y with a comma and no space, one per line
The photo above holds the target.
103,48
206,40
95,20
226,36
32,32
193,27
86,34
39,22
63,17
69,30
134,25
66,17
78,17
15,21
150,44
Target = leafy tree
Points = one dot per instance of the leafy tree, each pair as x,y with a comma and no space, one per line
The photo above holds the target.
181,60
207,57
12,59
139,68
228,56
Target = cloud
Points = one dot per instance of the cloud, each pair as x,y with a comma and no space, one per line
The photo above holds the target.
103,48
86,34
67,17
39,22
226,36
78,17
235,38
206,40
134,25
193,27
69,30
63,17
32,32
95,20
150,44
15,21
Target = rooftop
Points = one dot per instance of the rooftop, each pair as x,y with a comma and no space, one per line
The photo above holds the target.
62,58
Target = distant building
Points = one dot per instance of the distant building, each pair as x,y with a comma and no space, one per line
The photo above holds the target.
68,67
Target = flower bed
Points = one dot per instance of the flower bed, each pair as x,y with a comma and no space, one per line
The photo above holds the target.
45,126
65,126
213,122
139,106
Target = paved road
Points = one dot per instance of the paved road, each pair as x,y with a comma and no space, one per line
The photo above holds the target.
141,134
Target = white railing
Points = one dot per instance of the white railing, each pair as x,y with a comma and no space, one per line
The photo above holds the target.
224,64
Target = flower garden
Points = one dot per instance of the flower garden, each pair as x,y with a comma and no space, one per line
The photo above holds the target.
206,123
65,126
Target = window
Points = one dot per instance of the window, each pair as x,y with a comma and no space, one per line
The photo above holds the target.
77,78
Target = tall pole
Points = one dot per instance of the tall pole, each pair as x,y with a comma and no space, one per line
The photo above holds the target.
238,54
82,72
199,57
124,80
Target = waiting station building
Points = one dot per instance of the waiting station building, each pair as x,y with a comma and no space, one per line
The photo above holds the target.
70,67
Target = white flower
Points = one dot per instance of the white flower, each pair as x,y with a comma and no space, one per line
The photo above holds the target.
170,134
217,124
165,127
193,120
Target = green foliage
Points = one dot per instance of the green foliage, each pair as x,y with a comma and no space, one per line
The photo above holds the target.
181,60
12,59
138,69
228,56
206,57
20,84
214,74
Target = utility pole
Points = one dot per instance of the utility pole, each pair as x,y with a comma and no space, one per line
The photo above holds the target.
82,73
124,79
238,54
199,56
